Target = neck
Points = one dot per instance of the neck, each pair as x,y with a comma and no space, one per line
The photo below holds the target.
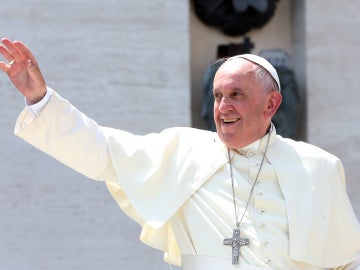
245,144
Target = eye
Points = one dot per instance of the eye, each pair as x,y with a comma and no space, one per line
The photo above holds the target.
238,95
217,96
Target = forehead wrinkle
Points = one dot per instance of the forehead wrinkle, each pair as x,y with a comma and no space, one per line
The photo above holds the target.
235,69
259,63
235,79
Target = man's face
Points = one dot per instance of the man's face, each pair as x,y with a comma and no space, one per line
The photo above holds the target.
242,108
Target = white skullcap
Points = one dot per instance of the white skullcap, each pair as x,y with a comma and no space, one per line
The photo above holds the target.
261,62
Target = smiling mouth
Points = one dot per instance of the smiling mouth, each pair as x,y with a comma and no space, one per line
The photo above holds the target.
230,120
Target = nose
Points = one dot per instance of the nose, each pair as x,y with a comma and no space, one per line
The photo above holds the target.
225,104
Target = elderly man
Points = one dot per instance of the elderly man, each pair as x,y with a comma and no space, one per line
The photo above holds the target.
241,198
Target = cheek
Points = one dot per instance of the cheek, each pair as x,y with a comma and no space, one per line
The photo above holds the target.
242,108
216,109
249,112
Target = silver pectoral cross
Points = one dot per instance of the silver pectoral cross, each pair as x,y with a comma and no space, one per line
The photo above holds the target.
236,242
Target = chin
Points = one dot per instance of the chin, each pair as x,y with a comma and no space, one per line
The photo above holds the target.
232,145
229,142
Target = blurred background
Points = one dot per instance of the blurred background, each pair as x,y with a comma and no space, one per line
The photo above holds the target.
147,65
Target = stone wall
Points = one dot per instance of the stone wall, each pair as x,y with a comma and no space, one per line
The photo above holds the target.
124,63
333,85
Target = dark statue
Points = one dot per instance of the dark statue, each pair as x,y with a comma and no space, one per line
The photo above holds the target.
235,17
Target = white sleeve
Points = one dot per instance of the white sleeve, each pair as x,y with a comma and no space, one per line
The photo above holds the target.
355,265
38,107
67,135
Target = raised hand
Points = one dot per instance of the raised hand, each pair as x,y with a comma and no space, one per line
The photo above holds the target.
23,70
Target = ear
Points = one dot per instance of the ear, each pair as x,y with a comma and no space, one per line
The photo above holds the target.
273,103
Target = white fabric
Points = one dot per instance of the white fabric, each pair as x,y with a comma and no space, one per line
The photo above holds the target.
154,178
265,222
214,263
38,107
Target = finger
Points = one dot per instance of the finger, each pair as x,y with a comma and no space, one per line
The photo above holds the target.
5,53
25,52
4,66
11,49
34,71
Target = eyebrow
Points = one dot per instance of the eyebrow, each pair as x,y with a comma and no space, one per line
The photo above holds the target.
233,89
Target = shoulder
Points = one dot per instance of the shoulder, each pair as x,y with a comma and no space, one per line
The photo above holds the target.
314,159
306,150
186,131
170,140
191,136
317,163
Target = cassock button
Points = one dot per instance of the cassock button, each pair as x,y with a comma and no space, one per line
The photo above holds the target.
249,154
255,163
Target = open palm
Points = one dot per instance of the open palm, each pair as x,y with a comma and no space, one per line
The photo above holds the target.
22,70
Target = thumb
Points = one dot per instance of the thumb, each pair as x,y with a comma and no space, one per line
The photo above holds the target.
35,85
34,72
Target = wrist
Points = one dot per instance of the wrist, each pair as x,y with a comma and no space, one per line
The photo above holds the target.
36,97
37,107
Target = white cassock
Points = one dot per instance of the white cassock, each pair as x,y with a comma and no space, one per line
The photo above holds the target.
176,184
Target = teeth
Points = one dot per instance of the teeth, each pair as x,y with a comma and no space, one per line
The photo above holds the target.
230,120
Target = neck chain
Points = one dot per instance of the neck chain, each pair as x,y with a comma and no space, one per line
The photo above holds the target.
236,241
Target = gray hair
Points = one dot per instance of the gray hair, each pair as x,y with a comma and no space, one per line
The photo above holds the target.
265,78
265,72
